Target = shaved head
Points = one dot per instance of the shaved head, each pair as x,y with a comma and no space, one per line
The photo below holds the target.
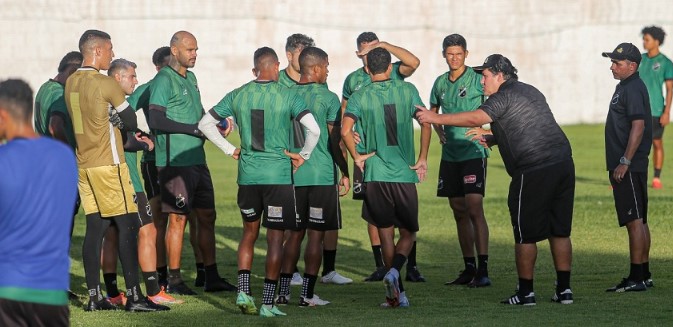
311,57
179,36
264,58
183,49
91,38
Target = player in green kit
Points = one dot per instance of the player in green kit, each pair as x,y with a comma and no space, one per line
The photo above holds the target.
656,70
293,46
385,109
462,171
405,67
263,109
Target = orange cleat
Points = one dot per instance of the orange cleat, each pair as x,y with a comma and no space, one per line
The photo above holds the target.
119,299
656,184
163,298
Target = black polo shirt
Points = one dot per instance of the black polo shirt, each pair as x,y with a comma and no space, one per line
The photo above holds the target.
629,102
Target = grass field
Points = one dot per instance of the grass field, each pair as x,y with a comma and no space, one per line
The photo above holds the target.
600,261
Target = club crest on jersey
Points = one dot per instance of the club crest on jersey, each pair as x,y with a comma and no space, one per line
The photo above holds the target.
442,97
358,87
275,212
180,201
184,92
470,179
656,66
462,92
615,99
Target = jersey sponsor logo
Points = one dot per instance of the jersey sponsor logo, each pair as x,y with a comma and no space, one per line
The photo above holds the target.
440,184
180,201
275,212
615,98
469,179
248,212
656,66
315,213
462,91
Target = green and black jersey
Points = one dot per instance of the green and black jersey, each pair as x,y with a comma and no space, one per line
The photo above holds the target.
654,72
49,101
140,100
285,80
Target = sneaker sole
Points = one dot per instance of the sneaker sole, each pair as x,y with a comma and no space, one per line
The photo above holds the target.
392,292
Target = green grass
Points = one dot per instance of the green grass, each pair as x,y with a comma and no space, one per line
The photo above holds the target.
600,260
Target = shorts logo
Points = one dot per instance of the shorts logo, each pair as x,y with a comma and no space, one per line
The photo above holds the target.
315,213
248,212
275,212
357,188
615,99
148,210
656,66
470,179
135,198
440,184
478,185
462,92
180,201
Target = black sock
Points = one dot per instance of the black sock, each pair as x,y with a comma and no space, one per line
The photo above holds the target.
134,294
111,284
328,261
562,281
309,286
646,270
200,270
378,257
244,281
636,273
162,272
525,286
482,268
269,291
211,273
174,276
151,283
95,230
285,280
412,256
657,173
470,264
398,261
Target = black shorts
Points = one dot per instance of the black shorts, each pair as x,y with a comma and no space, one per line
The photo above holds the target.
19,313
391,204
276,201
541,202
630,197
459,178
186,188
657,129
151,178
318,207
144,210
359,185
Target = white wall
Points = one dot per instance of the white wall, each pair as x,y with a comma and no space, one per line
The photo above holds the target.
556,45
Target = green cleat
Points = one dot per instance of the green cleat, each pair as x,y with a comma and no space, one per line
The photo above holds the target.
273,311
246,303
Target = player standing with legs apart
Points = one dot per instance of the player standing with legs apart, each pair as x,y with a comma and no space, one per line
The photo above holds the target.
385,111
34,238
628,139
539,159
316,191
104,180
263,110
175,110
355,81
462,171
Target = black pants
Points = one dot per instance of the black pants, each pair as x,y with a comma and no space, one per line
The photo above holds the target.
28,314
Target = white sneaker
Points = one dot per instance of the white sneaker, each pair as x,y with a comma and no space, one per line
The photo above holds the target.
297,280
312,302
334,278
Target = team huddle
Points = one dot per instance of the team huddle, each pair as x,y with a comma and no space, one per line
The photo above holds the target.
295,139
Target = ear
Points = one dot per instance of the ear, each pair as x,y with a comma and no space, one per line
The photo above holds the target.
367,70
389,69
288,54
174,51
277,65
255,73
466,53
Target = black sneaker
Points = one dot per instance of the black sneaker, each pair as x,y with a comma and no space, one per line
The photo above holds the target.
482,281
377,275
649,282
628,285
414,275
200,280
144,305
517,299
565,297
219,285
180,289
103,304
283,299
463,279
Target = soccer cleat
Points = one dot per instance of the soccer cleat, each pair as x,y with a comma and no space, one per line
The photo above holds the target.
335,278
220,285
628,285
404,302
656,184
119,299
414,275
482,281
649,282
144,305
246,303
392,284
565,297
377,275
312,302
268,312
297,280
103,304
463,278
517,299
163,298
180,289
282,299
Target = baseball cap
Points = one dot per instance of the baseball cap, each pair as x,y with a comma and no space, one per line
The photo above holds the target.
497,63
625,51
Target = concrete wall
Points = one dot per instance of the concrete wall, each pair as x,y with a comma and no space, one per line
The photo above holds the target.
556,45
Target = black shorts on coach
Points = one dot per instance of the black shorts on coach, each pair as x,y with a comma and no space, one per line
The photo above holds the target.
391,204
274,203
630,197
318,207
185,188
463,177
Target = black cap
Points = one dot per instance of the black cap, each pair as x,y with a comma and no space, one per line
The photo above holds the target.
625,51
497,63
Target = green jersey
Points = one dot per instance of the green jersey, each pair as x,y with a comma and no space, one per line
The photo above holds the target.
264,112
386,111
325,107
285,80
464,94
182,100
654,72
49,101
132,163
140,99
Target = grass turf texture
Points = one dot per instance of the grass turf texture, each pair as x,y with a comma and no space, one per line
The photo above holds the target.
600,261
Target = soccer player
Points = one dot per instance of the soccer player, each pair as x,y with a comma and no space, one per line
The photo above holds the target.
175,109
405,67
295,43
462,171
104,180
538,157
655,70
385,110
628,138
34,238
263,110
316,193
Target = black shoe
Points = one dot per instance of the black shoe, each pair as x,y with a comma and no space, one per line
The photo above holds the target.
200,280
103,304
377,275
628,285
463,279
180,289
414,276
219,285
144,305
163,283
649,282
284,300
565,297
517,299
482,281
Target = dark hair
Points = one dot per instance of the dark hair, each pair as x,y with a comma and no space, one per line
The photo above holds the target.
454,40
71,58
366,37
263,53
378,60
159,57
655,32
91,35
16,97
310,57
500,64
119,64
294,41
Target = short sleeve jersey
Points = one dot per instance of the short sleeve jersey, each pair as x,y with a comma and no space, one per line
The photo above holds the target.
385,110
263,112
629,102
524,127
325,107
49,101
463,94
181,97
654,72
88,96
285,80
140,100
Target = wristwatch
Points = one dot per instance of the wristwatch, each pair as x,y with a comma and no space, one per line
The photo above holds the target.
624,161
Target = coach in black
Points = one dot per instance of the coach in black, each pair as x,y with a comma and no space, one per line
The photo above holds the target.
628,139
538,156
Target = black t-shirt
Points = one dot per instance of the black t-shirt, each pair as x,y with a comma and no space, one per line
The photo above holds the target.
629,102
524,128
